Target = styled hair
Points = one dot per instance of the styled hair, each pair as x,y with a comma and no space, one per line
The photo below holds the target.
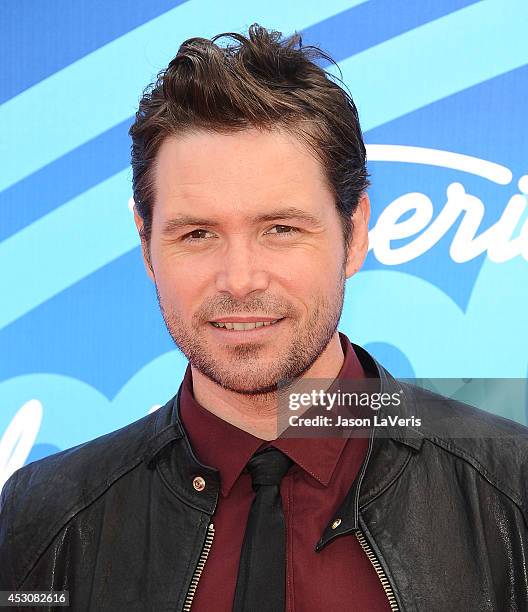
260,82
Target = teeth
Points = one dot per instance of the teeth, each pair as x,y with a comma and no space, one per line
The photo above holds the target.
244,326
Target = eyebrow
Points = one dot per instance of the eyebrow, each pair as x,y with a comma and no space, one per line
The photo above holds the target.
172,225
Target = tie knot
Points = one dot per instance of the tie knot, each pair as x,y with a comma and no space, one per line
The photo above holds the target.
268,467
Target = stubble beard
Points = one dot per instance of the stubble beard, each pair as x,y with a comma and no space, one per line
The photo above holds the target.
243,372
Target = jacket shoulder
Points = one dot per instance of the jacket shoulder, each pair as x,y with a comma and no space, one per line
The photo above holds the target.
495,446
88,466
41,497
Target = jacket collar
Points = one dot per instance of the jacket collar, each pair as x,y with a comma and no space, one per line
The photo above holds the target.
170,453
168,450
388,453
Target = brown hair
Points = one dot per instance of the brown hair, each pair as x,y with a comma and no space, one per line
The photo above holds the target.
262,82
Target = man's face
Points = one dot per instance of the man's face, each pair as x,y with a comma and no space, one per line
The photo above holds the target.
245,229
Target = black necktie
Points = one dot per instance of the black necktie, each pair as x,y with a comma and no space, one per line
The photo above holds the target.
262,568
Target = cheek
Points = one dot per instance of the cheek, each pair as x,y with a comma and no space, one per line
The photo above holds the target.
169,266
182,285
319,267
310,281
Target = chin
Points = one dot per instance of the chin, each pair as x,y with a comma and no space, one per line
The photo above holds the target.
254,391
253,384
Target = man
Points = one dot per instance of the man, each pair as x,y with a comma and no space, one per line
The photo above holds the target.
250,189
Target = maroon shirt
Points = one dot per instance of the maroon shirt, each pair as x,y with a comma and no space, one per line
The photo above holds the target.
340,576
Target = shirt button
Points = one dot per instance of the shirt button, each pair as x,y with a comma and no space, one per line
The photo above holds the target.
199,483
336,523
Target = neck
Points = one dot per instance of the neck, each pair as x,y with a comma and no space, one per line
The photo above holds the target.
258,414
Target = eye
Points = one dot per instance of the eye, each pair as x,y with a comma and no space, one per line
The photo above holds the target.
287,230
196,235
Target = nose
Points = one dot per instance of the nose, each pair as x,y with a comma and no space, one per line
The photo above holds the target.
241,270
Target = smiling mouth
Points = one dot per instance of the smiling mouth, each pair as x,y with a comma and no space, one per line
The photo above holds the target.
244,326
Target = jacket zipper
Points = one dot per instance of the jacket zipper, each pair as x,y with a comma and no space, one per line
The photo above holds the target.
379,570
199,568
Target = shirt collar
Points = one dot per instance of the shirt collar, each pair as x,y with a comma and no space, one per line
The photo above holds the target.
219,444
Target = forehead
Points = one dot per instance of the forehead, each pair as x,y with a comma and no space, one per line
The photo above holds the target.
244,169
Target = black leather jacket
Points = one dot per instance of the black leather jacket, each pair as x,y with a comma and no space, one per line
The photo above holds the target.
118,523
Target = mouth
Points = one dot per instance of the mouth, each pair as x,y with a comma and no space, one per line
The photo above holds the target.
244,326
237,332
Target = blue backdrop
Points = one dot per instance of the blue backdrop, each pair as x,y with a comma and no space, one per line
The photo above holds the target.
441,89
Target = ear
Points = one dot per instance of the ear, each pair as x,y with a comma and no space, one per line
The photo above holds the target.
358,247
144,246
